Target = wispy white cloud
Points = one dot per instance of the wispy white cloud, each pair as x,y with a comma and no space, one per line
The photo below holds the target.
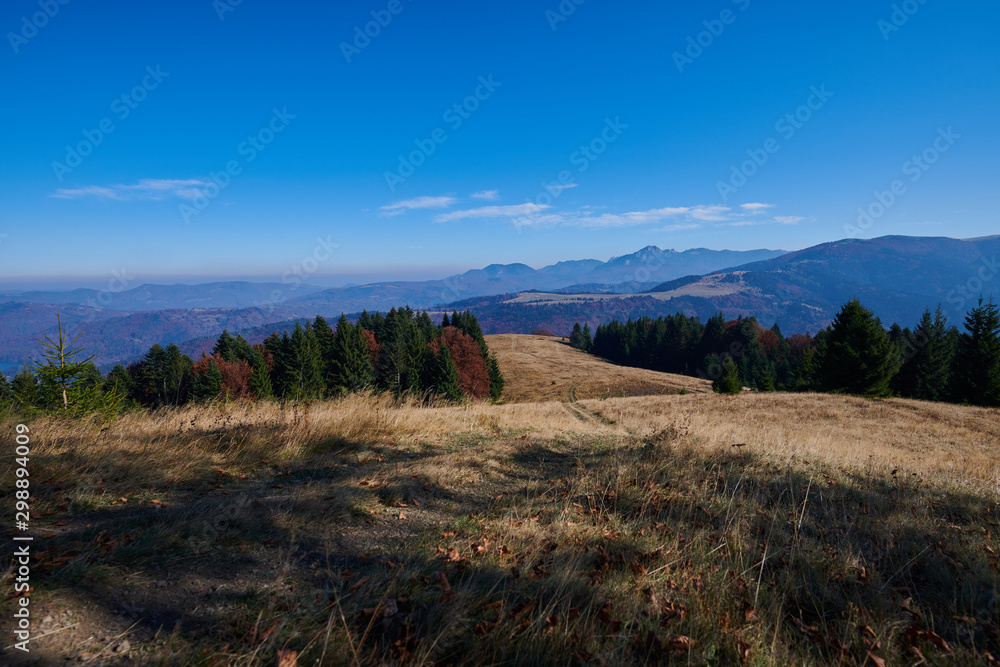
493,212
692,214
488,195
756,207
560,188
789,219
150,189
400,207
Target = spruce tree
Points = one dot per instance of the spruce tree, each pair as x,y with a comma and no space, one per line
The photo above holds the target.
325,341
729,381
441,375
496,378
576,336
208,386
285,376
352,370
927,360
260,381
225,347
859,357
6,393
61,367
977,367
307,363
119,381
588,338
25,388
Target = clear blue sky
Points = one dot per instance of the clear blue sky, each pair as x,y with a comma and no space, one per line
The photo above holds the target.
553,86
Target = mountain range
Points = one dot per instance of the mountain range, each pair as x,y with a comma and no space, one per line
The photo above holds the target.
898,277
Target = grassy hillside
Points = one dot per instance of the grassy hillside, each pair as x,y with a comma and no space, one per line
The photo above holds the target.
676,529
542,368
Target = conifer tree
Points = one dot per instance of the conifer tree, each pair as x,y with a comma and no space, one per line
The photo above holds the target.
25,388
260,381
440,374
859,357
729,381
307,363
928,356
225,347
977,367
496,378
61,366
283,378
576,336
6,393
119,381
352,367
325,343
588,338
208,386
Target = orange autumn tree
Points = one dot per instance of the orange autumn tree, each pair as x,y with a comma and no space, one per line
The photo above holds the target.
235,375
473,376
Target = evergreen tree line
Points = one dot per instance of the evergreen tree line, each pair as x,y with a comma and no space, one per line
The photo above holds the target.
401,351
855,354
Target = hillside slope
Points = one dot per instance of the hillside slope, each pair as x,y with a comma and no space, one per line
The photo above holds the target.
540,368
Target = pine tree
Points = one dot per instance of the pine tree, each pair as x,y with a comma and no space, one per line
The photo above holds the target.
352,367
325,342
208,386
283,374
60,366
6,392
859,357
25,388
119,381
441,375
576,337
588,338
928,356
225,347
260,381
307,363
496,378
977,367
729,382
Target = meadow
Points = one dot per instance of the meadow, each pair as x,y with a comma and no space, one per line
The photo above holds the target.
601,515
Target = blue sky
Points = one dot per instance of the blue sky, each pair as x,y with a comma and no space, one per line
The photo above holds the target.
616,106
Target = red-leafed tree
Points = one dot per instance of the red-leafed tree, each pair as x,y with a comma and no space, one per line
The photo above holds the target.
374,347
235,375
473,376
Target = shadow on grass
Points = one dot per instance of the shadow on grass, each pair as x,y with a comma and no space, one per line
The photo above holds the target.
646,552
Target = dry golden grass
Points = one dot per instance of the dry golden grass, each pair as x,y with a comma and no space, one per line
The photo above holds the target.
541,368
952,443
616,531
